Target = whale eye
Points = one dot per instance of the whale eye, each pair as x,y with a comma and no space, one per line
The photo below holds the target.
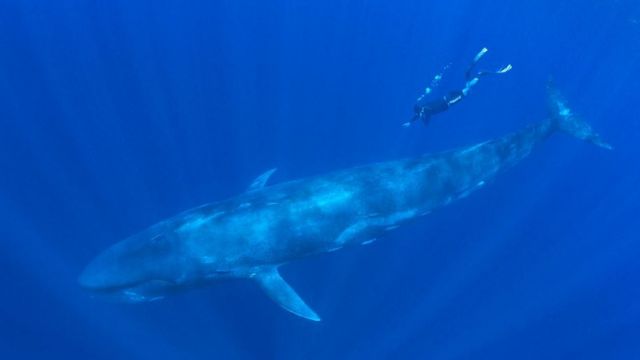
158,238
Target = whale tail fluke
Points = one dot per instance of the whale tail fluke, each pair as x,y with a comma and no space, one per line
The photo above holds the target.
564,119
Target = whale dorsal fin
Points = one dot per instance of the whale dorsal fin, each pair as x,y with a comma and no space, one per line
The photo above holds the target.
283,294
261,180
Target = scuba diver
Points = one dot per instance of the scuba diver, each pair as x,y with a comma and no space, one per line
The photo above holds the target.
424,109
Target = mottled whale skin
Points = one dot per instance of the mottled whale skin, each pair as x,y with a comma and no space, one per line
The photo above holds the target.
250,235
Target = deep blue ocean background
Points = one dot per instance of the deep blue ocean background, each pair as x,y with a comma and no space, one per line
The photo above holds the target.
117,114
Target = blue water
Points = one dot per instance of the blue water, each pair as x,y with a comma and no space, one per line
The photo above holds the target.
117,114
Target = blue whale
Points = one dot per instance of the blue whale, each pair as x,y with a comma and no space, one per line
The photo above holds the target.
251,235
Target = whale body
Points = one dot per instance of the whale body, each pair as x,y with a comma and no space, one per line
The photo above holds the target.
251,235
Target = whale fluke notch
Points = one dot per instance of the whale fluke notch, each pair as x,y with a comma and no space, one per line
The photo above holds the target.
283,294
261,180
564,119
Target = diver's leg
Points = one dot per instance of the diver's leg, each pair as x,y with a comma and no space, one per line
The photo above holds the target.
476,58
473,81
502,70
469,84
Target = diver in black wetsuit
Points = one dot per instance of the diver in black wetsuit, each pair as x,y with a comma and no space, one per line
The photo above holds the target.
423,110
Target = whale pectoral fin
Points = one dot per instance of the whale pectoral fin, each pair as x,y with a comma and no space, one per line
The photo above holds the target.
283,294
261,180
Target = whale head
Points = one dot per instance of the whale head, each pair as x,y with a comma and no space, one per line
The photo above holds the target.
141,268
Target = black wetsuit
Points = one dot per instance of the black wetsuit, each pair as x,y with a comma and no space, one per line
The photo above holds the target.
424,112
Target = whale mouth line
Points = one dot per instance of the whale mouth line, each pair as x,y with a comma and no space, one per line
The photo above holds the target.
111,288
124,287
136,291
